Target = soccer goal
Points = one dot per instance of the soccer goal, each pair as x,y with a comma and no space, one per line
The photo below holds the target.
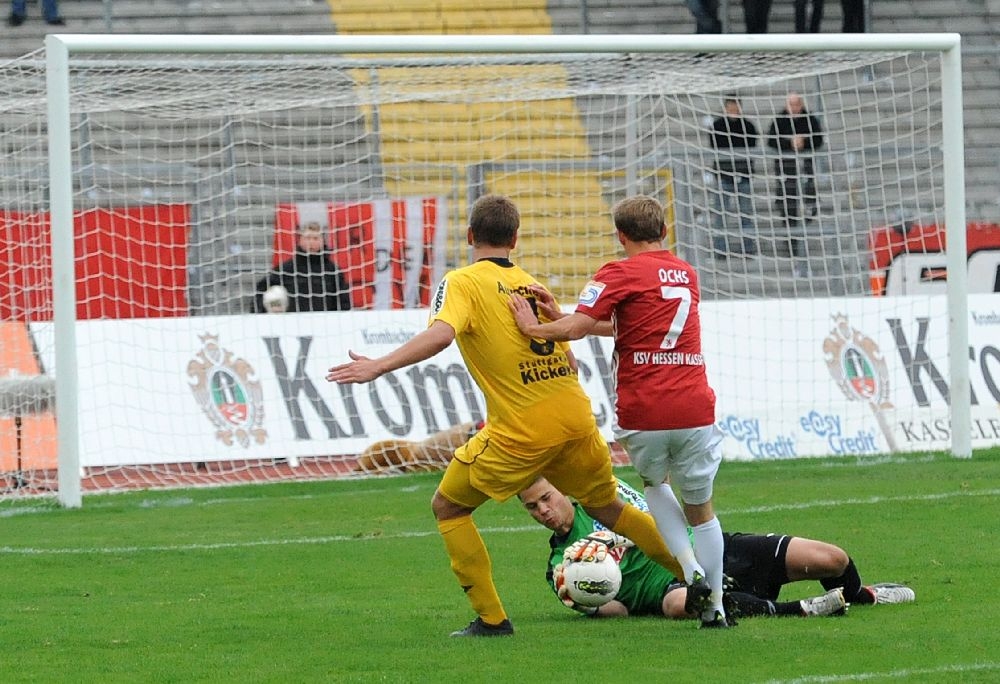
151,182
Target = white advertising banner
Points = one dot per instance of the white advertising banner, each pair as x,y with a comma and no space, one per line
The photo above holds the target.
851,376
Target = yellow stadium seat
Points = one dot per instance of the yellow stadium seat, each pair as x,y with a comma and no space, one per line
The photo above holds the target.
442,6
563,211
440,151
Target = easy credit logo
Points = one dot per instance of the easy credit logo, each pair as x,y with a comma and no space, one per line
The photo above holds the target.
831,428
749,432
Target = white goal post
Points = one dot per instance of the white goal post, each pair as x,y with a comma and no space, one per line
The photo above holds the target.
893,155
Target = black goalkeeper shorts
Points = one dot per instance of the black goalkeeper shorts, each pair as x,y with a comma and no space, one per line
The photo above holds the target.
756,563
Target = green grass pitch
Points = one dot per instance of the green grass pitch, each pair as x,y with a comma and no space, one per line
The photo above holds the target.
348,581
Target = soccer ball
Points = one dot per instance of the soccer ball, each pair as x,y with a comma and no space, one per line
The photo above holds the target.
276,299
592,583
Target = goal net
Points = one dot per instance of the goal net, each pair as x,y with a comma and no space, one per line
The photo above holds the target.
151,184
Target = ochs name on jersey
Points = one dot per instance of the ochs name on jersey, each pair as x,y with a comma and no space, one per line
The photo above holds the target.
667,359
674,276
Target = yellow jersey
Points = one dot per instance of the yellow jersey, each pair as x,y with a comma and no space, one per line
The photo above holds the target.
533,397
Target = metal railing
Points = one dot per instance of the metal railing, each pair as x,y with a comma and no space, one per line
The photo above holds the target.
727,9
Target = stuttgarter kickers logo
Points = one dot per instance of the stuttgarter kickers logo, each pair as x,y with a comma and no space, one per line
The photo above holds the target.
859,368
229,392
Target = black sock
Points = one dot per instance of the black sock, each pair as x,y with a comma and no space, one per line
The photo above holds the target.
748,605
786,608
851,582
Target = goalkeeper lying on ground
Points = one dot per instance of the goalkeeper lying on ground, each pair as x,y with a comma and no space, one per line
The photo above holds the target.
758,565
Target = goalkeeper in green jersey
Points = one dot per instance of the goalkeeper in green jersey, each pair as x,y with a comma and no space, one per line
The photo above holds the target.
757,565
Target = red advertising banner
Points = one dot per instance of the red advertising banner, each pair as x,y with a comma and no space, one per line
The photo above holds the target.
910,258
391,251
130,263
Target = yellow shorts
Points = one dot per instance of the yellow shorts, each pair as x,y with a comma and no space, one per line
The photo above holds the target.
482,469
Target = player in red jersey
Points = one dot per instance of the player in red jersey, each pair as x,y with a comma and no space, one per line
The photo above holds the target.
664,406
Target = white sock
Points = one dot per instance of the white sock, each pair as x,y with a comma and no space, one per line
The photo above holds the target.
708,545
673,527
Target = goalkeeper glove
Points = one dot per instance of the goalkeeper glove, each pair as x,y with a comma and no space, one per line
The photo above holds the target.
562,591
585,550
595,546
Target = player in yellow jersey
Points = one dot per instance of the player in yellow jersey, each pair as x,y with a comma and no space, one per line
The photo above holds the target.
538,419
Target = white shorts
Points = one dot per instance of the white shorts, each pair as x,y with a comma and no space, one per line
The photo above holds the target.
689,458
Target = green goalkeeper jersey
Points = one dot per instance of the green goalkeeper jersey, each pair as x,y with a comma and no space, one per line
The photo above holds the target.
644,581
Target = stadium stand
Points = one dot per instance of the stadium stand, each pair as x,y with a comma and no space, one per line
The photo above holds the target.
441,16
977,20
170,16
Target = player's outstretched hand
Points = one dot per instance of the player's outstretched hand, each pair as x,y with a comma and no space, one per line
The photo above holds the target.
360,369
546,303
524,315
585,550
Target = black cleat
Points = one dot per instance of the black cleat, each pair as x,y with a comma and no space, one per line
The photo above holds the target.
478,628
717,622
732,609
15,20
699,595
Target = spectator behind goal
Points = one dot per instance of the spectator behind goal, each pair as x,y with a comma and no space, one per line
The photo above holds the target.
733,137
312,280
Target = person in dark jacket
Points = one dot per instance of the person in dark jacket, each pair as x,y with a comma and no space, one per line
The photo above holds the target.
808,15
706,15
855,17
756,14
733,138
796,135
313,281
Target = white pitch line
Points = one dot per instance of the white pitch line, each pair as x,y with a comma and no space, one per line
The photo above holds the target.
896,674
211,547
865,501
332,539
107,501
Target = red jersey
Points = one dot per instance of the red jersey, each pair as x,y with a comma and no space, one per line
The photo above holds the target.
660,380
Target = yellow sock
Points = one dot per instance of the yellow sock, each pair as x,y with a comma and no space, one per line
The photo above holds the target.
470,561
640,527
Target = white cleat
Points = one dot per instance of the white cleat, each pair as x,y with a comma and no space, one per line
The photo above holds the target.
892,593
830,603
